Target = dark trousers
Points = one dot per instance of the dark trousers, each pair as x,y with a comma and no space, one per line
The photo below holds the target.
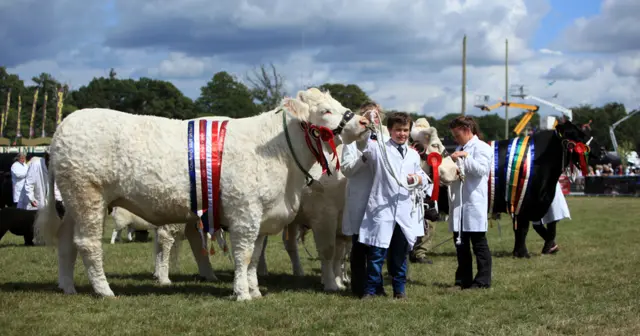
464,273
396,264
548,233
358,261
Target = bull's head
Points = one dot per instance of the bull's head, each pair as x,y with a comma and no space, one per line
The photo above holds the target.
327,114
426,141
580,145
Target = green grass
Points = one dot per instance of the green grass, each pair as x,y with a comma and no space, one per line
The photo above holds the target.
590,287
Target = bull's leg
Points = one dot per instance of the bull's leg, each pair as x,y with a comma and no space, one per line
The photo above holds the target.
204,265
325,239
130,231
252,270
243,242
339,260
89,211
347,250
67,254
115,236
289,238
520,244
165,241
174,254
262,264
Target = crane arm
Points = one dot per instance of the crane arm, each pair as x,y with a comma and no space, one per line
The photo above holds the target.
629,115
532,108
562,109
489,108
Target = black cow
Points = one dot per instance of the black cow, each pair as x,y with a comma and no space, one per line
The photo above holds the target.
20,222
553,152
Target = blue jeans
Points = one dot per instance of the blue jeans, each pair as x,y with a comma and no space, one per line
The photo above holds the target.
396,264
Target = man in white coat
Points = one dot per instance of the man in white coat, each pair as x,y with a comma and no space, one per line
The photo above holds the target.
359,182
557,212
392,218
18,175
468,211
36,186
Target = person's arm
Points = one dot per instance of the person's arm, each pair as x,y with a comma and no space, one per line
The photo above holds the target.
29,185
478,165
351,160
17,171
370,151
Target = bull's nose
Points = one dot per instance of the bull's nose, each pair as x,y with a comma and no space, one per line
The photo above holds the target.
364,122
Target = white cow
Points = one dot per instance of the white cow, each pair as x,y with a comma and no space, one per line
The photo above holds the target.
322,212
167,242
140,163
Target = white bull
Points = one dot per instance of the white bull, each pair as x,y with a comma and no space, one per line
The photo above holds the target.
140,163
322,212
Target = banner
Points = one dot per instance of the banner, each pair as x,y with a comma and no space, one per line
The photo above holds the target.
33,113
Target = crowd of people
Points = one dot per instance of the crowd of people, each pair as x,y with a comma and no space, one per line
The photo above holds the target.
382,224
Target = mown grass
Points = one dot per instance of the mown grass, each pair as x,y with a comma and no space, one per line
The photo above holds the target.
590,287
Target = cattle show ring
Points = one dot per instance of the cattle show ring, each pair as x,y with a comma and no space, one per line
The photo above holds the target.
223,185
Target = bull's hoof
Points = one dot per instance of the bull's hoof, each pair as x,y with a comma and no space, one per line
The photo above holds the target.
243,297
165,282
255,294
69,290
521,254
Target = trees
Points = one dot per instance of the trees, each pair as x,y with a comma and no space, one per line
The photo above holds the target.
267,87
350,95
223,95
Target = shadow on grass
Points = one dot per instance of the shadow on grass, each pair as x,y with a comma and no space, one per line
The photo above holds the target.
495,254
182,284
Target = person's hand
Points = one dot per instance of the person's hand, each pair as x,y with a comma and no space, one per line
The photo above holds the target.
412,177
458,154
34,204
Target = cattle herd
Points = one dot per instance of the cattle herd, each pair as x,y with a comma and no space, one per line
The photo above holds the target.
250,177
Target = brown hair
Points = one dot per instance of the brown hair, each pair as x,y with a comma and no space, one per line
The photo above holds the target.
401,118
465,122
368,105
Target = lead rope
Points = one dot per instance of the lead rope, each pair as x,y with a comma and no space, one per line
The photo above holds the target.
416,193
460,164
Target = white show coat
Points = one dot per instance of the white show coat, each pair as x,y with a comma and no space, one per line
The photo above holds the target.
558,210
36,186
359,182
388,202
475,193
18,175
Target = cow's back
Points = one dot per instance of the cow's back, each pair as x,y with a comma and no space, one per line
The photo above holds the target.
138,161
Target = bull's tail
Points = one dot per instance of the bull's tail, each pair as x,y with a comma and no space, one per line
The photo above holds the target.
47,221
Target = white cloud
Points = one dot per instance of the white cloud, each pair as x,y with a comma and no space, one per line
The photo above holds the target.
406,54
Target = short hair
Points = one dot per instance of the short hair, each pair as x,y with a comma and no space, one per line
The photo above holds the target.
465,122
401,118
368,105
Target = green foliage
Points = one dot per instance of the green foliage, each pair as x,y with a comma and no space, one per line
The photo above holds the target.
225,95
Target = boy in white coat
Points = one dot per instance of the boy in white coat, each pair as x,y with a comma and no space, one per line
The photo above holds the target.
471,214
392,219
36,186
557,212
359,182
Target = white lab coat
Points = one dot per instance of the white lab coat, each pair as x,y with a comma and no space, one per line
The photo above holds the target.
558,210
359,182
18,175
388,202
475,194
36,186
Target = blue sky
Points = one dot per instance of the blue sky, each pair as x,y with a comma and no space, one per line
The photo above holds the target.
404,53
562,15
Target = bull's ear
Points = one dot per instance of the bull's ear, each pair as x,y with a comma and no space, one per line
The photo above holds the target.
422,123
310,95
296,108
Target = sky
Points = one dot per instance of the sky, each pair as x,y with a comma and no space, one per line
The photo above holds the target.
406,54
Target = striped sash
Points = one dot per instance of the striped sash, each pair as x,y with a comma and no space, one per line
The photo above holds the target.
517,163
206,145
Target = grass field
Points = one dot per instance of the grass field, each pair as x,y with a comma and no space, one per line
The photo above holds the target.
590,287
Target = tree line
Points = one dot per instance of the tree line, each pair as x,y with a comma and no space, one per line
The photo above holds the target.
228,95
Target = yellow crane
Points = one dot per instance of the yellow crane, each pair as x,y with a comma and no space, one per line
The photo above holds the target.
531,109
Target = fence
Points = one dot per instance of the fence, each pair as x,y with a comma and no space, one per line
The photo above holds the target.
614,185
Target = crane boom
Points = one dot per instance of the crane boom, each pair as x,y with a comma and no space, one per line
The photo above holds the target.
612,134
567,112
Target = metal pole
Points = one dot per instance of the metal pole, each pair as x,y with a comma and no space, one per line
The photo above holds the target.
464,74
506,89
